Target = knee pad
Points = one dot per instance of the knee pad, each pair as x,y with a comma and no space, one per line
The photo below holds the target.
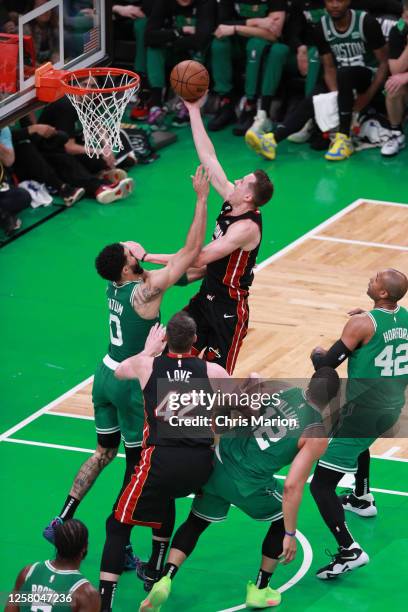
111,440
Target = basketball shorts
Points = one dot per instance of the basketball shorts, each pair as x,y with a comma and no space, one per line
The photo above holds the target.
221,328
344,449
221,491
118,406
164,473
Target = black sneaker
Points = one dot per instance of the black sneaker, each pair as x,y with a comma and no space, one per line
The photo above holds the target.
245,121
71,194
146,575
9,223
224,116
363,505
344,561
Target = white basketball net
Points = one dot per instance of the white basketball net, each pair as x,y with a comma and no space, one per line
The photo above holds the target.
101,112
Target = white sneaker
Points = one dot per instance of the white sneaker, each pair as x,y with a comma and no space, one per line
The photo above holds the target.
106,194
302,135
346,560
394,144
39,194
363,505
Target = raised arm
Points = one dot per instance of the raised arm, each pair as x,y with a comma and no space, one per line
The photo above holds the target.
140,366
206,152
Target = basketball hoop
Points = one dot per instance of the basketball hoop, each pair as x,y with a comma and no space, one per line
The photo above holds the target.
99,95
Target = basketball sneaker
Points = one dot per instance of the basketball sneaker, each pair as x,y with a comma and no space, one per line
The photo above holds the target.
224,115
394,144
182,117
261,125
341,148
261,598
147,576
268,146
157,596
245,120
71,194
302,135
344,561
131,561
114,175
156,118
49,531
106,194
364,505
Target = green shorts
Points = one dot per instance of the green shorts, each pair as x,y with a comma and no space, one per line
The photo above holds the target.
342,454
118,406
221,491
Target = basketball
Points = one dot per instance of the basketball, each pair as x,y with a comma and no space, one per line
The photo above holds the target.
190,80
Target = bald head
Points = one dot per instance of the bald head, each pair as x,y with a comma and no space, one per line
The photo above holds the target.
390,285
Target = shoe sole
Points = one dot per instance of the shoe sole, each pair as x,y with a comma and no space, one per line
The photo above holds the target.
394,154
253,141
351,565
115,175
269,604
71,201
365,512
124,189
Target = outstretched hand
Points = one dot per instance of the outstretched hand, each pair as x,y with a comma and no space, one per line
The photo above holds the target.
201,182
156,340
135,249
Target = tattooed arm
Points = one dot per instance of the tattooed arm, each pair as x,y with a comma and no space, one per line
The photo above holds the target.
148,295
90,470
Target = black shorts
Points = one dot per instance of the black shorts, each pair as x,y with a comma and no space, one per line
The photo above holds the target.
221,328
163,473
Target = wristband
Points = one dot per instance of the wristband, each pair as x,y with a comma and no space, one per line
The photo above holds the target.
291,534
144,256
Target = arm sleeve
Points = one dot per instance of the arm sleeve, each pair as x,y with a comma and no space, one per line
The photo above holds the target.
334,356
373,33
319,40
396,43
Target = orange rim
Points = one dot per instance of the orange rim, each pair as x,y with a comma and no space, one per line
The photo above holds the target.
83,73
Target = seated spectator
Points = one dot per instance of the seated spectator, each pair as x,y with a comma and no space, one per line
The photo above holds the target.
176,30
45,33
353,53
397,84
30,163
98,176
12,199
130,23
250,29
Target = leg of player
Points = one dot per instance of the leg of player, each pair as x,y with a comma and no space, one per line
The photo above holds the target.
361,501
349,555
183,544
151,570
83,481
113,559
260,594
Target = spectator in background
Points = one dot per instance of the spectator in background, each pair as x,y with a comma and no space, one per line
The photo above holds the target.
44,30
30,163
12,199
396,86
98,176
176,30
130,22
251,29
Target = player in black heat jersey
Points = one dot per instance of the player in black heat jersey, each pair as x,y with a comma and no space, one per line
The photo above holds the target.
170,466
220,308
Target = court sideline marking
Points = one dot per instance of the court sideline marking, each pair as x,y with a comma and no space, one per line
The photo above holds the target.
310,234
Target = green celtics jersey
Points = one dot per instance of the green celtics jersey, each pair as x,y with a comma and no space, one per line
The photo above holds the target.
128,331
385,359
51,589
253,460
349,48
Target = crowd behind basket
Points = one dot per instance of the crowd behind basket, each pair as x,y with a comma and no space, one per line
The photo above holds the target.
278,69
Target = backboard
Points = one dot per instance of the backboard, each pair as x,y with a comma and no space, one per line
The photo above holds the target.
71,34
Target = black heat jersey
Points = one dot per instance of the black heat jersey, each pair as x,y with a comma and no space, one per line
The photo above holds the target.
231,277
175,374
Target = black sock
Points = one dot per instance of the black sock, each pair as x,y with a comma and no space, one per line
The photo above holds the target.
69,508
397,127
107,589
266,102
345,123
263,579
362,485
342,534
170,570
159,550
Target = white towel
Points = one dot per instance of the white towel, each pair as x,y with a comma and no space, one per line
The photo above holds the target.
326,111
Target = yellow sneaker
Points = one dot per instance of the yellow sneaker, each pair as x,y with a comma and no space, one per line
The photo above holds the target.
341,148
261,125
268,146
261,598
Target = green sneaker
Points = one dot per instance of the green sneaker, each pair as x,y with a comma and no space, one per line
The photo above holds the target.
261,598
157,596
